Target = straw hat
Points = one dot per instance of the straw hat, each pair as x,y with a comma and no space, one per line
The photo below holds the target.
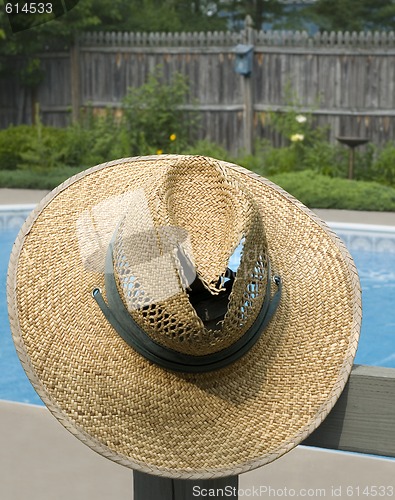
145,342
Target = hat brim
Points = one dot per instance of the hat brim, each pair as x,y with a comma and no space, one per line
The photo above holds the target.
173,424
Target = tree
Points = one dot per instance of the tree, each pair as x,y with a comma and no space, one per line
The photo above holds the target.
264,11
170,15
18,51
261,11
109,15
351,15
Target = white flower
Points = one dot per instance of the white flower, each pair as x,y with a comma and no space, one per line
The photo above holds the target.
297,137
300,118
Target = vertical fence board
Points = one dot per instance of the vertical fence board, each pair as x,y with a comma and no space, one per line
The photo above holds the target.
75,81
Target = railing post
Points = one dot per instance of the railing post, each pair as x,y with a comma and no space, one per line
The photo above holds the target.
148,487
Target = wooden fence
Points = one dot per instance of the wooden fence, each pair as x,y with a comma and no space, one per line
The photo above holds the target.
346,80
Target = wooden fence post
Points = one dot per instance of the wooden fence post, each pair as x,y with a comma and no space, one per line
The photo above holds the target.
75,80
247,90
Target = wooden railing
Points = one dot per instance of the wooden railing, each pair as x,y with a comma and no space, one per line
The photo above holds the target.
363,420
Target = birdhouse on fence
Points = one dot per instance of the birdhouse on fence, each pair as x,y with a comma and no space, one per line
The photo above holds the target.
244,57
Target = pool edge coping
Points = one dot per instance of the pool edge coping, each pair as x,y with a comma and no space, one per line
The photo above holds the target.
357,226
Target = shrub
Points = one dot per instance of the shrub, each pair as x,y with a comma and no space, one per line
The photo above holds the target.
319,191
36,180
383,168
325,158
44,149
364,159
36,147
277,160
154,116
207,148
306,147
312,189
150,121
322,158
13,141
97,138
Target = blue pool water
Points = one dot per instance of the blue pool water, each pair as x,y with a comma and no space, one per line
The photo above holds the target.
14,384
374,258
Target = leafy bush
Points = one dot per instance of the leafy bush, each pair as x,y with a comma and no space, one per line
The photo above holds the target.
149,122
154,116
97,138
13,141
207,148
36,180
306,147
44,150
325,158
364,160
312,189
322,158
36,147
383,167
294,125
277,160
319,191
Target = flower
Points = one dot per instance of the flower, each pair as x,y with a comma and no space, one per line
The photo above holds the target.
173,137
159,151
297,137
300,118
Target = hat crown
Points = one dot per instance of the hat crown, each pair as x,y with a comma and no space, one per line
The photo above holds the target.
171,255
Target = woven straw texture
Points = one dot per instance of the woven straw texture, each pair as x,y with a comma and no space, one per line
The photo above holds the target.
213,213
153,420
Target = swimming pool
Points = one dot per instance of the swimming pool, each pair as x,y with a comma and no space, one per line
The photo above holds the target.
372,247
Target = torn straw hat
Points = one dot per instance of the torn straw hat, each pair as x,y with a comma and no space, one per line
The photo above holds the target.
154,349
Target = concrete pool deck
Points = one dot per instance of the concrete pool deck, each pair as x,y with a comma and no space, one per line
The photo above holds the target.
40,460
